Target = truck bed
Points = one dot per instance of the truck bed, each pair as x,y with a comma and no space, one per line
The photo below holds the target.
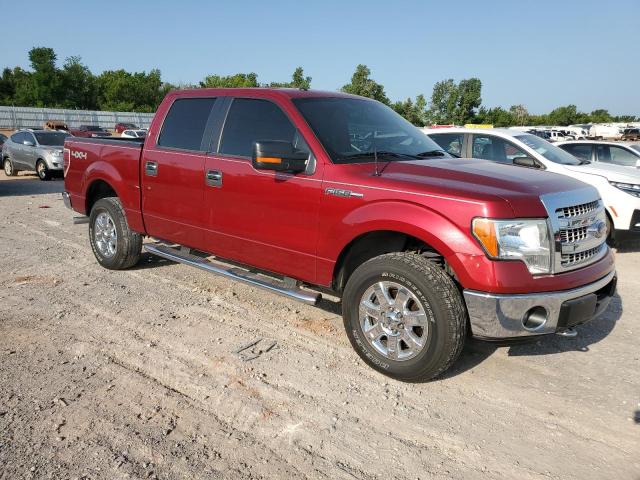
91,163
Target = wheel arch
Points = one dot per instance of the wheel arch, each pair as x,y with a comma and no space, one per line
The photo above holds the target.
98,188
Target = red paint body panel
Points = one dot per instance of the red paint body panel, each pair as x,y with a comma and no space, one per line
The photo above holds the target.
287,224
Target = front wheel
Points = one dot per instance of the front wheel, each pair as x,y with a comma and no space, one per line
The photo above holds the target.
404,316
114,244
43,171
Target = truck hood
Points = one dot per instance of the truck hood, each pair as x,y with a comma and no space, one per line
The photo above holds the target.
479,180
615,173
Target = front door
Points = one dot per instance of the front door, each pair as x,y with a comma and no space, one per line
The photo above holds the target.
172,172
262,218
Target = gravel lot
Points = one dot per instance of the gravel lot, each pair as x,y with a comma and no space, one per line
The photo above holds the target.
135,374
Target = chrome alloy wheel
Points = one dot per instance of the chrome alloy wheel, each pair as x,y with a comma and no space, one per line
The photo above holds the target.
105,235
8,167
41,169
393,321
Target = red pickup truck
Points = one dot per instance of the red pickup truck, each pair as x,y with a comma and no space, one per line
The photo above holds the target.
304,192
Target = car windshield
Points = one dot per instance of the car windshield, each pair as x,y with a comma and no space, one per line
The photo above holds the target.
353,131
53,139
93,128
548,150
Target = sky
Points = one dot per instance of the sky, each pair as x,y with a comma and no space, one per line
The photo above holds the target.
540,53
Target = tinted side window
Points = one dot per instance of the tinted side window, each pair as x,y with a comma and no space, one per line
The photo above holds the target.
583,152
185,124
495,148
250,120
450,142
618,156
17,137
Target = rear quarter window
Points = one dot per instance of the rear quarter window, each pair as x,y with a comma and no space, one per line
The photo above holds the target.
185,124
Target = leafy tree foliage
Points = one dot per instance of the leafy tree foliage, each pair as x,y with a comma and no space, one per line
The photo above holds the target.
79,86
362,84
298,80
414,111
124,91
455,103
239,80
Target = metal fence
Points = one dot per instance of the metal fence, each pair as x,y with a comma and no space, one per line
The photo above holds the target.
12,118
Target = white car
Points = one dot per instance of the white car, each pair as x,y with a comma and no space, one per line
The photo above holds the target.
134,134
619,186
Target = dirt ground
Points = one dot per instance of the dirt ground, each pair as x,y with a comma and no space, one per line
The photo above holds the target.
136,374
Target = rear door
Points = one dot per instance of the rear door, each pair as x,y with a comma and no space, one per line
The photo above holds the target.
29,151
262,218
452,143
172,173
616,155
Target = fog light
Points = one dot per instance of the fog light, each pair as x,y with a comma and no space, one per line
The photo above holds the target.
535,318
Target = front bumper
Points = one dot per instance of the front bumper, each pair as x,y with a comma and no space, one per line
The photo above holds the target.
496,316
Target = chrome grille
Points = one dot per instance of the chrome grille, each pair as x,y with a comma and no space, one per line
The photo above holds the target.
574,259
578,210
577,222
573,235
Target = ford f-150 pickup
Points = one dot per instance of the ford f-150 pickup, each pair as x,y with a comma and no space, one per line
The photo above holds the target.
304,193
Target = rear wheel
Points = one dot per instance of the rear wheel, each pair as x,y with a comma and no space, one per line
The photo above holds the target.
404,316
114,244
42,170
9,170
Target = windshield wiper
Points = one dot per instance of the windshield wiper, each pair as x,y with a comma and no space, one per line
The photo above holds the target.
432,153
380,153
584,162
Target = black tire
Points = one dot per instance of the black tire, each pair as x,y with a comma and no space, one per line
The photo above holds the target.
129,243
442,303
43,171
8,167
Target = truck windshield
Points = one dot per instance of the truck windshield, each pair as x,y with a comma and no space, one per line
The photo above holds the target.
548,150
54,139
351,130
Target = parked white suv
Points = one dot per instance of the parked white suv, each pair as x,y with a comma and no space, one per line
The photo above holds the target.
619,187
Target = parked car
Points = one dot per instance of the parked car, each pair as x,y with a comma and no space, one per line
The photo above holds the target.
631,134
39,150
619,187
134,134
92,131
330,191
556,136
56,125
614,153
121,127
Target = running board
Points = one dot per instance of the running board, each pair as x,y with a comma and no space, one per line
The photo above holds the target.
287,288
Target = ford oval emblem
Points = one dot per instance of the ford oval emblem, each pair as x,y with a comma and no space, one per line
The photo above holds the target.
598,229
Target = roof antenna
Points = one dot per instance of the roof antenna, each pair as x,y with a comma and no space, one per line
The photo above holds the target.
376,173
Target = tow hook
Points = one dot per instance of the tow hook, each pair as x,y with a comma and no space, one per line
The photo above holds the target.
569,332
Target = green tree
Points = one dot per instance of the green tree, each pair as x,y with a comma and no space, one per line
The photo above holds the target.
566,115
444,100
8,84
298,80
600,116
124,91
42,88
498,117
520,114
415,112
239,80
469,99
361,84
79,89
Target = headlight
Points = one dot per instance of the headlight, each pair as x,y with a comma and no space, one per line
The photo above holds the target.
55,153
525,240
630,188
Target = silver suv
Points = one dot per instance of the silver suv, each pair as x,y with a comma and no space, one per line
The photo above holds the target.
39,150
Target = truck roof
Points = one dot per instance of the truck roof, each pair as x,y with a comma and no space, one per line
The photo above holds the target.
261,92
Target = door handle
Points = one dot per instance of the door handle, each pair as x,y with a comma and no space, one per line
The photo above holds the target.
151,168
213,178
